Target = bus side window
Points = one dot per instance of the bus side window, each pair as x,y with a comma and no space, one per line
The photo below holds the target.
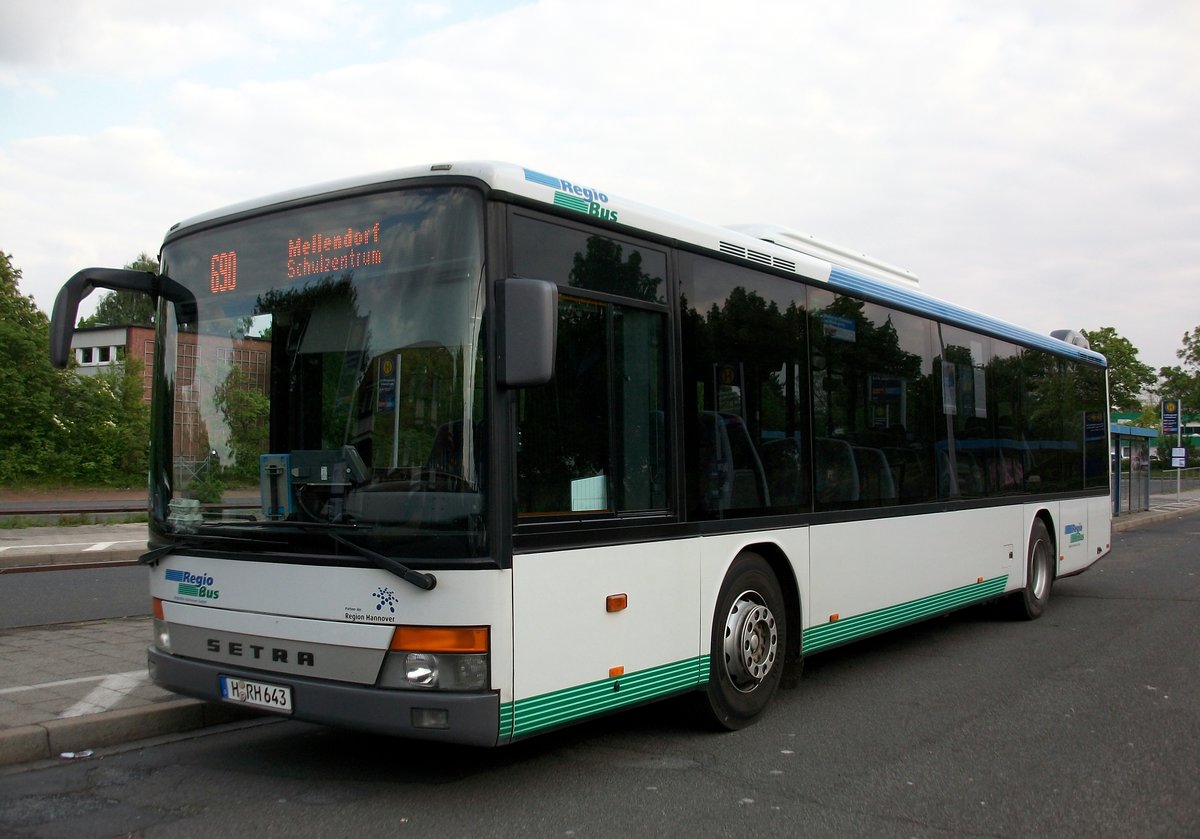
836,473
746,373
786,465
593,440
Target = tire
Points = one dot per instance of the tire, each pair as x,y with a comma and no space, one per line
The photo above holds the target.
1030,602
749,640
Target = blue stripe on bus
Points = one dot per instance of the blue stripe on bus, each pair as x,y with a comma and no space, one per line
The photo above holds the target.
544,180
844,280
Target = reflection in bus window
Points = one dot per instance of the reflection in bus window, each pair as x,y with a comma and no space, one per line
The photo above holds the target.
594,439
744,360
872,412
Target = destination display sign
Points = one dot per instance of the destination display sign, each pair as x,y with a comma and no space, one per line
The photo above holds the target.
309,254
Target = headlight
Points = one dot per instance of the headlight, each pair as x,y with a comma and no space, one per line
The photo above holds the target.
435,671
437,658
162,635
421,669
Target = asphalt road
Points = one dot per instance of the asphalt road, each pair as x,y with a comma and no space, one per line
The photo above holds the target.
1084,723
44,597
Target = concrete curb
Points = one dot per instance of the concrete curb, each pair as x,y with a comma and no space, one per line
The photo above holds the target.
14,561
42,741
1122,524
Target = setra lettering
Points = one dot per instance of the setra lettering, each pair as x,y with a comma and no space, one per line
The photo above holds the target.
278,655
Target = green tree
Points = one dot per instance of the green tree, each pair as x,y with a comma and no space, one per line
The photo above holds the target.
56,426
105,425
1183,381
29,394
122,307
1128,378
246,410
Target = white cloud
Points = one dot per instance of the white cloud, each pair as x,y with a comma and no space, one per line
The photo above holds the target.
1036,162
130,39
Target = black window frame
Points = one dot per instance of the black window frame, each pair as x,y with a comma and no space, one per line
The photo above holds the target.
564,521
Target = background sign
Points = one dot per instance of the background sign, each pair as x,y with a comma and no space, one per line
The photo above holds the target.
1170,416
1178,457
387,385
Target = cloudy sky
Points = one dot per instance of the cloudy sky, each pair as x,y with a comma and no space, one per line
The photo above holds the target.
1036,160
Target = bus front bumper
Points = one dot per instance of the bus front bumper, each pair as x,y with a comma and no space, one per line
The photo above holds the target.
469,718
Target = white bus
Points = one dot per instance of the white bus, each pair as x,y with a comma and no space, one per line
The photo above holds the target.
469,452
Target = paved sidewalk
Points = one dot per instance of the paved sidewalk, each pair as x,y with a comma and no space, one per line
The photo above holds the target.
68,689
72,688
90,544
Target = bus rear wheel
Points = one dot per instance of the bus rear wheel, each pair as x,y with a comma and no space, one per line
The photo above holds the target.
1030,602
749,637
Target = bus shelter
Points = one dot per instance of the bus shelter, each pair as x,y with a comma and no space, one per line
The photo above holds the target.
1131,468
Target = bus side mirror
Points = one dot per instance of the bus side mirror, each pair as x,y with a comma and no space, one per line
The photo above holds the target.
529,331
66,304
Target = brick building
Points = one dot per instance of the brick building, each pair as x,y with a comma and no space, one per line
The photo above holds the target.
97,348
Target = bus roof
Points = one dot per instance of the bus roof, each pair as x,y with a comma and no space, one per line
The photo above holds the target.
763,245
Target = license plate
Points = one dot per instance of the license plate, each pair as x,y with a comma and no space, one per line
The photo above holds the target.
259,694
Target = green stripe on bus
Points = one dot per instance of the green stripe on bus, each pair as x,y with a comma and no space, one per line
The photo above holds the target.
506,718
529,715
847,629
561,199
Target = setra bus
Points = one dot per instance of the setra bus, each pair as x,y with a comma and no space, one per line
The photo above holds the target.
468,452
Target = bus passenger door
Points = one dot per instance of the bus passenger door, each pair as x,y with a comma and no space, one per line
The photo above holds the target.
599,629
604,615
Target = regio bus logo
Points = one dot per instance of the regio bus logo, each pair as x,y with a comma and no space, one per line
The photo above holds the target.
193,585
1074,532
581,199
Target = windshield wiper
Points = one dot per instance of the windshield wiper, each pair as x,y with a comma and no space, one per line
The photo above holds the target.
205,541
387,563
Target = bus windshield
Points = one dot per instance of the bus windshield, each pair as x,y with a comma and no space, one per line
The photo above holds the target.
331,380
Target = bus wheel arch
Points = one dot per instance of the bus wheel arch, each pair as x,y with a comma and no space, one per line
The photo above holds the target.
793,661
1040,570
749,641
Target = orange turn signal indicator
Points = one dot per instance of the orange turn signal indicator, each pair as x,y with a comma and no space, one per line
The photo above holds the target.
616,602
156,608
440,639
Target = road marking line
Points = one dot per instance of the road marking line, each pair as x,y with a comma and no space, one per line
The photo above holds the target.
63,682
107,694
56,545
96,546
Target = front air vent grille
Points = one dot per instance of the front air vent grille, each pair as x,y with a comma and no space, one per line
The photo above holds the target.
757,256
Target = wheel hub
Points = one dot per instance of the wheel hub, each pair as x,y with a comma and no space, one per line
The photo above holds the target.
751,641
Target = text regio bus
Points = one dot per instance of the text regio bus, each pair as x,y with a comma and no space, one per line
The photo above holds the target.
469,452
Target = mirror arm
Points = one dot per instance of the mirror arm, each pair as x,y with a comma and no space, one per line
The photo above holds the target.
66,304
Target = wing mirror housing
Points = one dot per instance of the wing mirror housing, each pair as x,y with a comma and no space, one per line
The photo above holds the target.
529,331
66,304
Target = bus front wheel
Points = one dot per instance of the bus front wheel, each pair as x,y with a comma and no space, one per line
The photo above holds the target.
1030,602
749,637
